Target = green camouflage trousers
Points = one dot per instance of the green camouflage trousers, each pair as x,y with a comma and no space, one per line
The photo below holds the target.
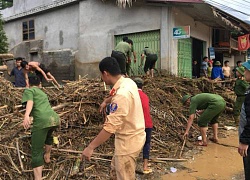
237,108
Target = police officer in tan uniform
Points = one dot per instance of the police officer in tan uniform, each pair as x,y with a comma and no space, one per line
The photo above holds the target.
126,121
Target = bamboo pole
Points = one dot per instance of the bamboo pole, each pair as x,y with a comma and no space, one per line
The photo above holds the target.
169,159
19,156
79,152
184,142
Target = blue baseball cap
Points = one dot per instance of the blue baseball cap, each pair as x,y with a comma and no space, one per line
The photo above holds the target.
246,65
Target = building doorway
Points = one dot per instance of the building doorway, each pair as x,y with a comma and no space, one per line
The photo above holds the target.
141,40
197,52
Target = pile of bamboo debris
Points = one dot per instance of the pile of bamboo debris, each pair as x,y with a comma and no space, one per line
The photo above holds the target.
77,104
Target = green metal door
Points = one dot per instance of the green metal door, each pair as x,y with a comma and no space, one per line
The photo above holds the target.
140,41
185,58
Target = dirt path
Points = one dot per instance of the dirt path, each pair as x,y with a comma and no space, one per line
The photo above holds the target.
217,162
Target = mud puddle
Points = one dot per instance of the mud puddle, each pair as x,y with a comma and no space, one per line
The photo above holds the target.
216,162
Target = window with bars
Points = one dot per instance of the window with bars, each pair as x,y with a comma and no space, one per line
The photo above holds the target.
28,30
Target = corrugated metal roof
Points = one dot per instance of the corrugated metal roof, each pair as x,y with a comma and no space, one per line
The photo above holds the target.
206,14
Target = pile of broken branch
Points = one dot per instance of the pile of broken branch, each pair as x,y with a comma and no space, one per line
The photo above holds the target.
77,103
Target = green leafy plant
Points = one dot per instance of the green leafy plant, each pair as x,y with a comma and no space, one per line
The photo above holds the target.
5,4
3,38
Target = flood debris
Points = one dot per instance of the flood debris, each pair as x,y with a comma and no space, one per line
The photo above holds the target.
77,103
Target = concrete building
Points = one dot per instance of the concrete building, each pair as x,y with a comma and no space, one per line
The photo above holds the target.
72,36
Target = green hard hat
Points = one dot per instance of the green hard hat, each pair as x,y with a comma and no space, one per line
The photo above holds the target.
240,70
185,98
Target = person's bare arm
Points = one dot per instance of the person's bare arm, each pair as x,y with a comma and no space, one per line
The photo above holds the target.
104,103
142,58
242,149
189,124
36,67
134,54
53,79
43,73
100,138
205,72
26,78
26,120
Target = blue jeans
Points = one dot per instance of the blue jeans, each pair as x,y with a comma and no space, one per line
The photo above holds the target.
146,147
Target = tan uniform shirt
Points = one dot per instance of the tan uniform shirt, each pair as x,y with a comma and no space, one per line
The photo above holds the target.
126,118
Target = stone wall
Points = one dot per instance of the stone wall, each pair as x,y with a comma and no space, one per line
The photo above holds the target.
60,63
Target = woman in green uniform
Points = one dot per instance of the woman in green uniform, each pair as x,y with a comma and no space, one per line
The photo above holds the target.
45,121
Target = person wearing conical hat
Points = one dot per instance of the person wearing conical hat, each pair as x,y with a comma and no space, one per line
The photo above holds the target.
209,106
240,88
217,71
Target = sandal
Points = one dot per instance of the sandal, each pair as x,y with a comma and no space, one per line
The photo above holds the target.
200,143
214,140
147,171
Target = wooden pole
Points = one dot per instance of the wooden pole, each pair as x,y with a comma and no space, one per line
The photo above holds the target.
184,142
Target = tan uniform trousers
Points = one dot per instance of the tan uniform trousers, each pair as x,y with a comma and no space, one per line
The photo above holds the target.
123,166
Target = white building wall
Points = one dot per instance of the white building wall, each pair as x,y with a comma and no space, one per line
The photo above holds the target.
58,29
90,26
98,24
197,30
20,6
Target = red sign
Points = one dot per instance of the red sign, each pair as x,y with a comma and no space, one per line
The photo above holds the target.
243,42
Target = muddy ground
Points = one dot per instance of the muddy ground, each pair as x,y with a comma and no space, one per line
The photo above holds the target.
77,104
216,161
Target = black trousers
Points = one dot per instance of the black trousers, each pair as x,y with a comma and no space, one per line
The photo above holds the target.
150,62
121,59
246,161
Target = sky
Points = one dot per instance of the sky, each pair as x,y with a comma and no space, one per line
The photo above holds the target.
237,8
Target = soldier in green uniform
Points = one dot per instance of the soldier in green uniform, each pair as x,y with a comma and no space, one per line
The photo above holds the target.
45,121
128,63
240,88
209,106
122,54
151,59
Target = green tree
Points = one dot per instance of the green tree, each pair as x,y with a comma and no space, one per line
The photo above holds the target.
3,38
5,4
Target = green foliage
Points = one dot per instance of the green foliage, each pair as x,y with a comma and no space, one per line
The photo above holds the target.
3,38
5,4
236,34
